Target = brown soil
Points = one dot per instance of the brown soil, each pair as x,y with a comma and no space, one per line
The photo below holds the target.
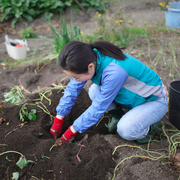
94,147
62,162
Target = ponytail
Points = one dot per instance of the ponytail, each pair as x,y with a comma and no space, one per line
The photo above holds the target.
76,56
109,49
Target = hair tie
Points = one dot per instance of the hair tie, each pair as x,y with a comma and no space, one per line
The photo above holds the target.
92,46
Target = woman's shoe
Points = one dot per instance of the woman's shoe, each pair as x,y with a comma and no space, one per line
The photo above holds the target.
150,135
115,115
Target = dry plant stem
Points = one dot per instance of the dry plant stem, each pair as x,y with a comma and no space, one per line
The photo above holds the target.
22,87
35,177
14,130
11,152
50,171
42,95
11,132
173,143
43,67
3,145
102,119
32,176
82,8
8,173
85,137
45,110
52,147
35,157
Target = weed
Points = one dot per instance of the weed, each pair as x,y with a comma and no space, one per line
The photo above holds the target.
45,158
22,161
61,37
52,147
117,28
8,159
14,96
27,33
24,112
42,95
31,115
40,134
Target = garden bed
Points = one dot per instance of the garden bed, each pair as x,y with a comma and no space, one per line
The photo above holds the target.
95,154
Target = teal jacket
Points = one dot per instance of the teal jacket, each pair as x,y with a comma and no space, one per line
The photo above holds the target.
142,84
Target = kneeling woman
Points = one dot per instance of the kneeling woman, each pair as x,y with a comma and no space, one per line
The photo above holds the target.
119,81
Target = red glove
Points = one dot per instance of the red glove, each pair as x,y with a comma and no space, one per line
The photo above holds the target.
56,127
68,135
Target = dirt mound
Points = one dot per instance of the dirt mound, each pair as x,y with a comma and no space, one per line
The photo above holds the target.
34,141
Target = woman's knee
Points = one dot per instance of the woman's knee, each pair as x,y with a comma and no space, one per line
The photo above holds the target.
124,131
131,131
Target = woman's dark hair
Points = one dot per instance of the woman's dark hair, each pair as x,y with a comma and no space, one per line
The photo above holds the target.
76,56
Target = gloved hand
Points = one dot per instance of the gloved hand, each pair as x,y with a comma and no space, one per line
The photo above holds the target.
68,135
56,127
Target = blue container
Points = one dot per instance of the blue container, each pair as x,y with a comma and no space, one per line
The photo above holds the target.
172,15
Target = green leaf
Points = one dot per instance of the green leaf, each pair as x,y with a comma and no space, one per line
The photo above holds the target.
28,17
21,117
30,117
67,3
58,3
33,111
32,12
13,99
8,159
40,134
34,117
85,4
18,14
48,16
27,33
16,3
45,157
23,162
9,94
26,113
26,4
15,176
8,10
14,21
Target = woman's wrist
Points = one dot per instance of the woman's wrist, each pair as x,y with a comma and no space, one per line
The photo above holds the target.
72,129
59,117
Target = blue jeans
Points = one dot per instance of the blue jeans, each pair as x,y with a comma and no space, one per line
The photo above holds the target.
136,122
